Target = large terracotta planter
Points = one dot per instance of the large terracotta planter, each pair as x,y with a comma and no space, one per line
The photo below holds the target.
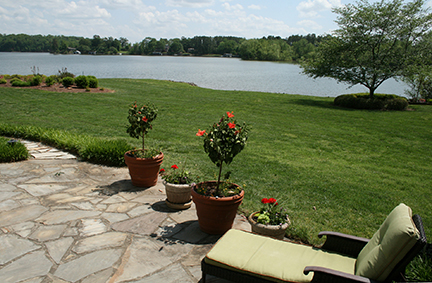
178,195
216,215
274,231
144,172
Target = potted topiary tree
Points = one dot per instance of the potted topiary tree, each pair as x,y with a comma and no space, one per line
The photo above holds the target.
217,201
143,164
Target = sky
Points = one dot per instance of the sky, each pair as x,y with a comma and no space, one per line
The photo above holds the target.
138,19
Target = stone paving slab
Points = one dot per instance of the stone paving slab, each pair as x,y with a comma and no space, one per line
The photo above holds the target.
64,221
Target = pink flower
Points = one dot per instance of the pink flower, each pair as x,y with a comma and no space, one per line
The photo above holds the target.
264,200
145,119
174,167
162,170
231,125
230,115
272,200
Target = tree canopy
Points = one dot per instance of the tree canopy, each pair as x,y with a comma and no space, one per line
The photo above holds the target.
374,42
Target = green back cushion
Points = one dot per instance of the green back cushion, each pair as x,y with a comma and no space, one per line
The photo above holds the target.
396,236
274,260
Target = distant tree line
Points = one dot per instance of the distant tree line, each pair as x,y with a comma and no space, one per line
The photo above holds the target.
62,44
292,49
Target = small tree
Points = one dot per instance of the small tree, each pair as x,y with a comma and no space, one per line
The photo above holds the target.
140,120
223,141
374,42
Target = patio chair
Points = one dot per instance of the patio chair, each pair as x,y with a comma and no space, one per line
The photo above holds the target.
245,257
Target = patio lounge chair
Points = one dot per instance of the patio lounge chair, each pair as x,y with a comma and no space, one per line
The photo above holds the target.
245,257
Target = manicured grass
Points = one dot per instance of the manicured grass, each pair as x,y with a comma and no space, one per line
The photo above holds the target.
332,168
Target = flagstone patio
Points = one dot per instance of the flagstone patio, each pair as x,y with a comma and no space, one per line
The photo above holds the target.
62,220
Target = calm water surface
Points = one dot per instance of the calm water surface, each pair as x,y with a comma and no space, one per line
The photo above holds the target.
214,73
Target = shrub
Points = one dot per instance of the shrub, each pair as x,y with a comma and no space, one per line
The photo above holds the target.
81,81
397,104
63,73
67,81
377,102
50,80
19,83
3,81
93,82
36,80
12,151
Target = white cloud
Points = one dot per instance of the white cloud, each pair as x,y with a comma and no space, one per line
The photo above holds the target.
311,8
310,25
82,10
229,7
254,7
189,3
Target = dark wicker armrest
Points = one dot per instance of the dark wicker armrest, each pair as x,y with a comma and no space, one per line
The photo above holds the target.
323,275
343,243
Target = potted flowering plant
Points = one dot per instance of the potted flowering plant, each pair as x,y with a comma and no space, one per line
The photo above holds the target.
178,183
217,201
143,164
271,220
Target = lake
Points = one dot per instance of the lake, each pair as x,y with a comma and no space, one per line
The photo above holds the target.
208,72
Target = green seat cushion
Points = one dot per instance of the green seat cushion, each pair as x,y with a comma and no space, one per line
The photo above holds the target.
396,236
276,260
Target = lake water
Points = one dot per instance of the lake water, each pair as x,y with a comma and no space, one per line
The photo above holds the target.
214,73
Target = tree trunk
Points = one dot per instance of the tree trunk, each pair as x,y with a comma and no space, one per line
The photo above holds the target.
371,92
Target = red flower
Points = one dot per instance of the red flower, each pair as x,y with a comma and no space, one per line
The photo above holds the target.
264,200
272,200
174,167
162,170
200,133
145,119
230,115
231,125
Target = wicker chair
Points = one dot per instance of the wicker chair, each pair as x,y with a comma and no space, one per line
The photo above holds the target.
245,257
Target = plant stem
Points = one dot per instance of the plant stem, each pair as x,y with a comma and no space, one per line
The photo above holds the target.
143,141
220,173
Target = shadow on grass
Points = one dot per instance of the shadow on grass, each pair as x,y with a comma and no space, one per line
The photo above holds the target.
319,103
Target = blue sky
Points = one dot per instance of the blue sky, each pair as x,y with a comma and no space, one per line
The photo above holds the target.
137,19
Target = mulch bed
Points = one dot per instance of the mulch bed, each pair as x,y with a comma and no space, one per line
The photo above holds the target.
60,88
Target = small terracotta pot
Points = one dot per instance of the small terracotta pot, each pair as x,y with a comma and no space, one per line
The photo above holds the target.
274,231
216,215
144,172
178,195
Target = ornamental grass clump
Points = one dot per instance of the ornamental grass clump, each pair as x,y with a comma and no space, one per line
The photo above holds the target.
271,213
140,123
222,142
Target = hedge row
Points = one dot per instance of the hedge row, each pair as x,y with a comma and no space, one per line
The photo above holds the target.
92,149
377,102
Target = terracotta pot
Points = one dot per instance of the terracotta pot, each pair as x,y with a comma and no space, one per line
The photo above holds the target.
178,195
144,172
216,215
274,231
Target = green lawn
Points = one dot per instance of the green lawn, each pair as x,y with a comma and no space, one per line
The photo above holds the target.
332,168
